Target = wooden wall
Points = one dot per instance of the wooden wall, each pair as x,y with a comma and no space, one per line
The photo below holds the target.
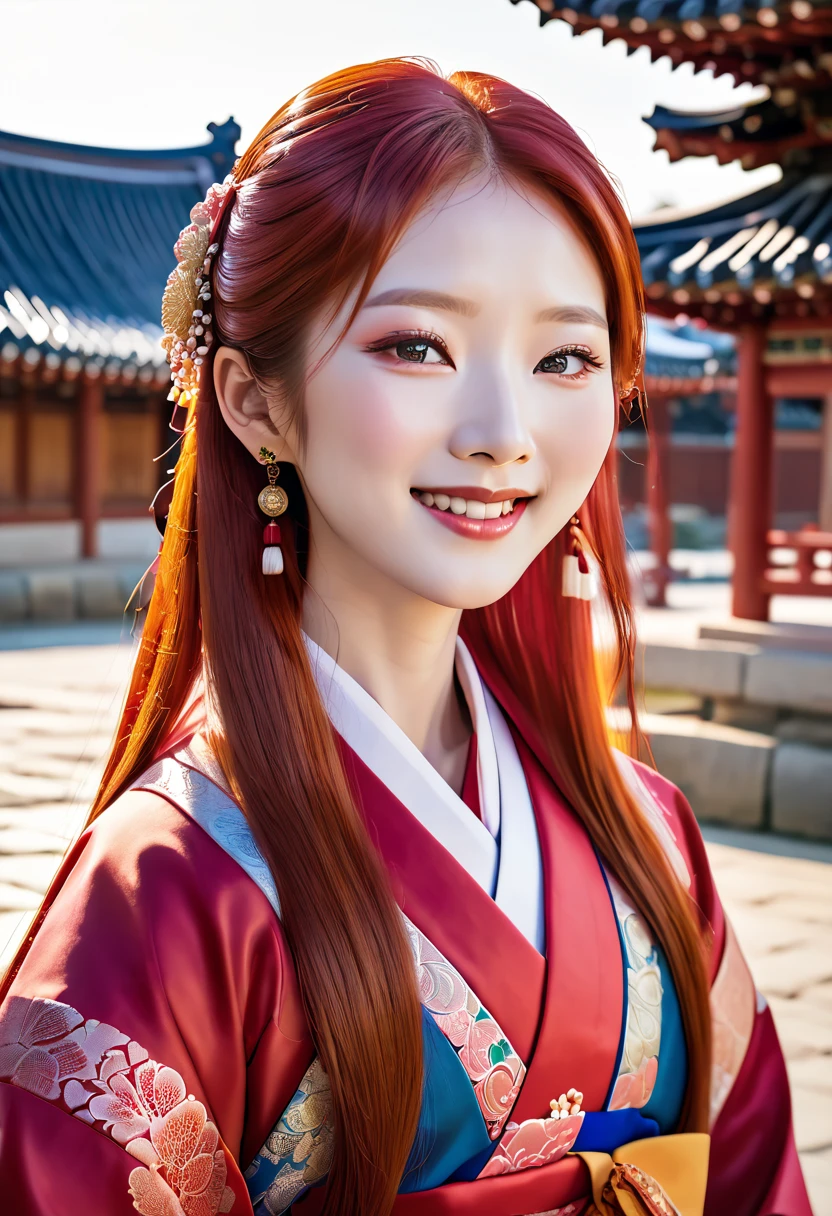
39,458
700,474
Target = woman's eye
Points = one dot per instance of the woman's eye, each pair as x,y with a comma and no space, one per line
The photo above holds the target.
412,346
416,350
566,363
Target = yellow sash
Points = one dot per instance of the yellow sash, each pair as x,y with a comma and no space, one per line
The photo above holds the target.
663,1174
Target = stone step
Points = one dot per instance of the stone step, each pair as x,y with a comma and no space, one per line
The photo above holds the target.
723,772
91,590
743,777
741,671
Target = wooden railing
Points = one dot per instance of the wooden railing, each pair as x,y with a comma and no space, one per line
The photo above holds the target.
806,566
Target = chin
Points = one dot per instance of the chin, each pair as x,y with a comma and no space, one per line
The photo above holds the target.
463,594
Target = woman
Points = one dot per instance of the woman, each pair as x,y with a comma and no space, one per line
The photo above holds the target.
369,917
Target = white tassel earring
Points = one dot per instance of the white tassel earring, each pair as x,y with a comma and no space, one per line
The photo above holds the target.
578,582
272,500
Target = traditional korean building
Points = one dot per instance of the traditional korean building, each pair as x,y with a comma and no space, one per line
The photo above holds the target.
759,265
86,245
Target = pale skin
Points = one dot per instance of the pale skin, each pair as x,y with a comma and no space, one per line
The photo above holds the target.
496,380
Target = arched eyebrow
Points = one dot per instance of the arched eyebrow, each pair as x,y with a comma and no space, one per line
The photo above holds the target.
577,314
416,298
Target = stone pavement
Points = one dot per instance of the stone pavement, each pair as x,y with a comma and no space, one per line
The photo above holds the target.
57,709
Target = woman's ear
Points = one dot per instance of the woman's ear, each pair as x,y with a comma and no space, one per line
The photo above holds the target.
244,406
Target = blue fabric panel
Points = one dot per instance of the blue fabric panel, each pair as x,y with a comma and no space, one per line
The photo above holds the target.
605,1130
451,1128
666,1100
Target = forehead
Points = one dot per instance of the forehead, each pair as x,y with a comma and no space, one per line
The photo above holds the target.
496,241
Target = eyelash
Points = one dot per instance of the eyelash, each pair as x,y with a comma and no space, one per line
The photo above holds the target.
423,335
580,352
410,335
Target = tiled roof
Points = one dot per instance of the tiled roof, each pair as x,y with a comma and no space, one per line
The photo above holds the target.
86,245
765,254
771,42
785,131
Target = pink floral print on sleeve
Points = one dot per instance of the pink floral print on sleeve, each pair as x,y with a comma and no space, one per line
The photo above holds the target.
105,1079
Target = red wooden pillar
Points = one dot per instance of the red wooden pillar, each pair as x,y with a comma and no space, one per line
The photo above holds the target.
88,466
660,526
751,478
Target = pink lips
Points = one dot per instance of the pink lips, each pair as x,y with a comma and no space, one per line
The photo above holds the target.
478,529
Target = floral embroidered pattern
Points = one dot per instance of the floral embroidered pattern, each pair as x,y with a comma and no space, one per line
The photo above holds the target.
643,1032
533,1143
106,1079
298,1153
493,1066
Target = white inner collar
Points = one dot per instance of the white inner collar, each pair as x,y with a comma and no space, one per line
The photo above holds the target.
501,850
394,758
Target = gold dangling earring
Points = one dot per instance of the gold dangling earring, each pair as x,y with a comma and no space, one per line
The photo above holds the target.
272,500
577,582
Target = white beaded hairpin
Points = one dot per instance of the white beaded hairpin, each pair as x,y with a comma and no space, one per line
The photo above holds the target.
186,304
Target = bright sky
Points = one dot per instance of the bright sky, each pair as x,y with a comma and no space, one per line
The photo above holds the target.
152,73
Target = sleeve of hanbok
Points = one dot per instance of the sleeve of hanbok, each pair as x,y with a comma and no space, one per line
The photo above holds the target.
157,979
754,1168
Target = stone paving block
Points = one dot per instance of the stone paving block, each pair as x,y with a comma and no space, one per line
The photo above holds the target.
786,973
813,1072
60,820
817,1170
100,596
14,596
812,1112
722,771
17,790
17,899
803,1030
37,696
30,765
46,723
801,790
799,681
91,746
762,931
820,996
52,595
34,871
28,840
812,907
12,927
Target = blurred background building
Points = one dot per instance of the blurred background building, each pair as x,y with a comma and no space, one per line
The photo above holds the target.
85,250
758,266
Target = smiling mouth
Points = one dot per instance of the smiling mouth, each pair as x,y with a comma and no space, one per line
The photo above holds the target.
472,511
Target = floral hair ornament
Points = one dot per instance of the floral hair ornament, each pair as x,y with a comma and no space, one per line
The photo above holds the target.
186,304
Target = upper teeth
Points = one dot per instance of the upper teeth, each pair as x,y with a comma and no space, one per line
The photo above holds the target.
467,506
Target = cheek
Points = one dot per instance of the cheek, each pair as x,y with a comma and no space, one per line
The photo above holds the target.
363,415
579,433
360,429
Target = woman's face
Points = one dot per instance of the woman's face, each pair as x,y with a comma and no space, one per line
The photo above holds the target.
464,416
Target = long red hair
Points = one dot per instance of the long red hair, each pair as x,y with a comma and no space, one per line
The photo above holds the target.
325,191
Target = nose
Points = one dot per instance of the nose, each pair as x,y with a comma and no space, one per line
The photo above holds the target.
493,426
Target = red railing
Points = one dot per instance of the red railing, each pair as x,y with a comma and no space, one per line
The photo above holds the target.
803,565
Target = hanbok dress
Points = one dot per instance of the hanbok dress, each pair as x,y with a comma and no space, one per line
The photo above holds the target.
154,1054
